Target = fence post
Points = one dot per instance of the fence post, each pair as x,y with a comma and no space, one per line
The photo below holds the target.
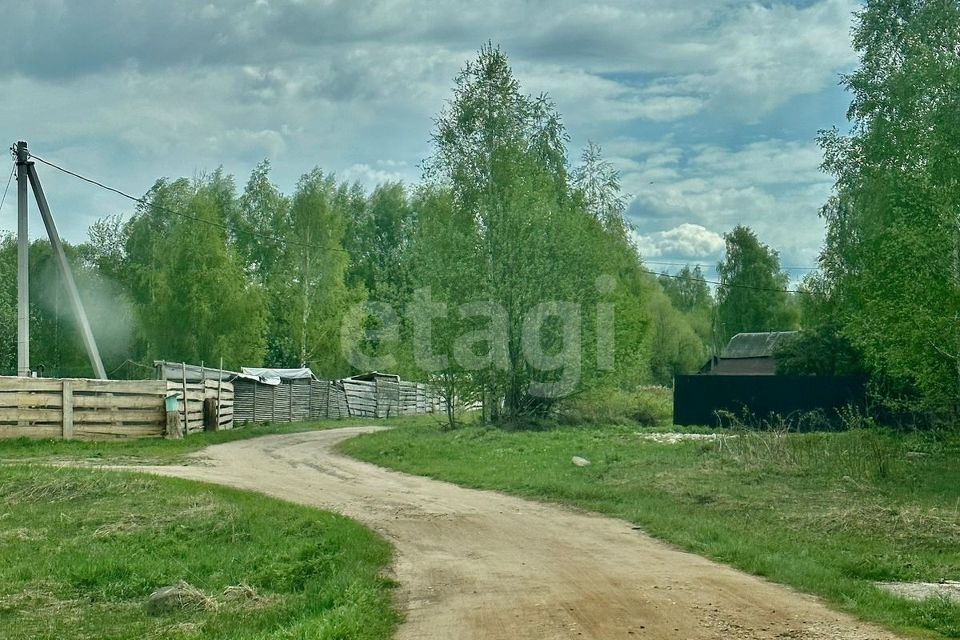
290,404
67,410
219,390
273,405
186,421
255,402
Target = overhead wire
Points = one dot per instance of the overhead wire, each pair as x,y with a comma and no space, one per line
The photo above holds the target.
726,285
704,264
147,203
5,189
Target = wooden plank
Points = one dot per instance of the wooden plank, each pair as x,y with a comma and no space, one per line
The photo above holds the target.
362,397
130,429
30,399
13,431
121,402
361,401
120,415
67,411
12,383
152,387
105,434
31,415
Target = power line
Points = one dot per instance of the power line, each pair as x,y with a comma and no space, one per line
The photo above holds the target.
9,180
147,203
704,264
721,284
213,223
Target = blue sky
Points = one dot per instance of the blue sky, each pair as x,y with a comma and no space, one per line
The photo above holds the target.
709,108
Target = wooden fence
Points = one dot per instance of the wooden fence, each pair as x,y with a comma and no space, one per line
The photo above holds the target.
83,409
205,405
296,400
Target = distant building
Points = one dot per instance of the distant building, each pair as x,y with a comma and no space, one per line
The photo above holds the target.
748,354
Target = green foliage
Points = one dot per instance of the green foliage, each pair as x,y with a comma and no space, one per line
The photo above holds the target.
688,291
527,239
752,296
692,315
543,294
193,302
56,348
823,351
675,346
648,406
892,255
311,294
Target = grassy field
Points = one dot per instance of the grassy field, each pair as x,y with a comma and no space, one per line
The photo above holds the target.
81,550
161,451
829,514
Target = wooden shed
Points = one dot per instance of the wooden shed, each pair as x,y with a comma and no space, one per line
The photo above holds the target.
748,354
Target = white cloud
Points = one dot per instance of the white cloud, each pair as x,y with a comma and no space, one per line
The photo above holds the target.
369,176
686,241
173,88
773,186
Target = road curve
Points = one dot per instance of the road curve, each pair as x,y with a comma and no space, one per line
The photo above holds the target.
482,565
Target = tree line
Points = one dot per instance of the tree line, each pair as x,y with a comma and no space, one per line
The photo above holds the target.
507,276
886,300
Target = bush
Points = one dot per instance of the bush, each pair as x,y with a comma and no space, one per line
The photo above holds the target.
649,406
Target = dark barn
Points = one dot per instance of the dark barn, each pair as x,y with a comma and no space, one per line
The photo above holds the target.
748,354
743,380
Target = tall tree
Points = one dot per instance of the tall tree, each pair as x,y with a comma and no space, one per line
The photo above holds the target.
892,256
687,290
192,299
377,238
502,156
597,182
312,287
690,295
258,223
752,295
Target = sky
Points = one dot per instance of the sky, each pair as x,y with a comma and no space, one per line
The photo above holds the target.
708,108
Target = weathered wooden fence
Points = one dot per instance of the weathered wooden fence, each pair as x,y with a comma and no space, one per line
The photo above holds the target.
203,406
246,397
83,409
381,396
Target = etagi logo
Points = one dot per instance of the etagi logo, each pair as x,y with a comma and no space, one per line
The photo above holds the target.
480,335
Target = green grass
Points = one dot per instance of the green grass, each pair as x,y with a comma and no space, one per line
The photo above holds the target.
81,550
826,513
161,451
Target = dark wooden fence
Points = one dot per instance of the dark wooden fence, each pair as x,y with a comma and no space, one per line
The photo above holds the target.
698,398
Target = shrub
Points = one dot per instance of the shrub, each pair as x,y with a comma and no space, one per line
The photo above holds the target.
647,405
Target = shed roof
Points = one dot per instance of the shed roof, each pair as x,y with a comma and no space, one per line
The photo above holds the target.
755,345
276,376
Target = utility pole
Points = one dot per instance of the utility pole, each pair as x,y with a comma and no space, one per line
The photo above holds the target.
27,171
23,264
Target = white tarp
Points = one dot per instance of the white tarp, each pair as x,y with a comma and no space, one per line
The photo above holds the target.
275,376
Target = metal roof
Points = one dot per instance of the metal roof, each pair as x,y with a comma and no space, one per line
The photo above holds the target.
755,345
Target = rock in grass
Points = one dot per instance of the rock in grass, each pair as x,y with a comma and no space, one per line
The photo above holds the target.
176,597
580,462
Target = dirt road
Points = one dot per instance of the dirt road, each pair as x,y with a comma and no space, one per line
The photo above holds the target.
476,564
